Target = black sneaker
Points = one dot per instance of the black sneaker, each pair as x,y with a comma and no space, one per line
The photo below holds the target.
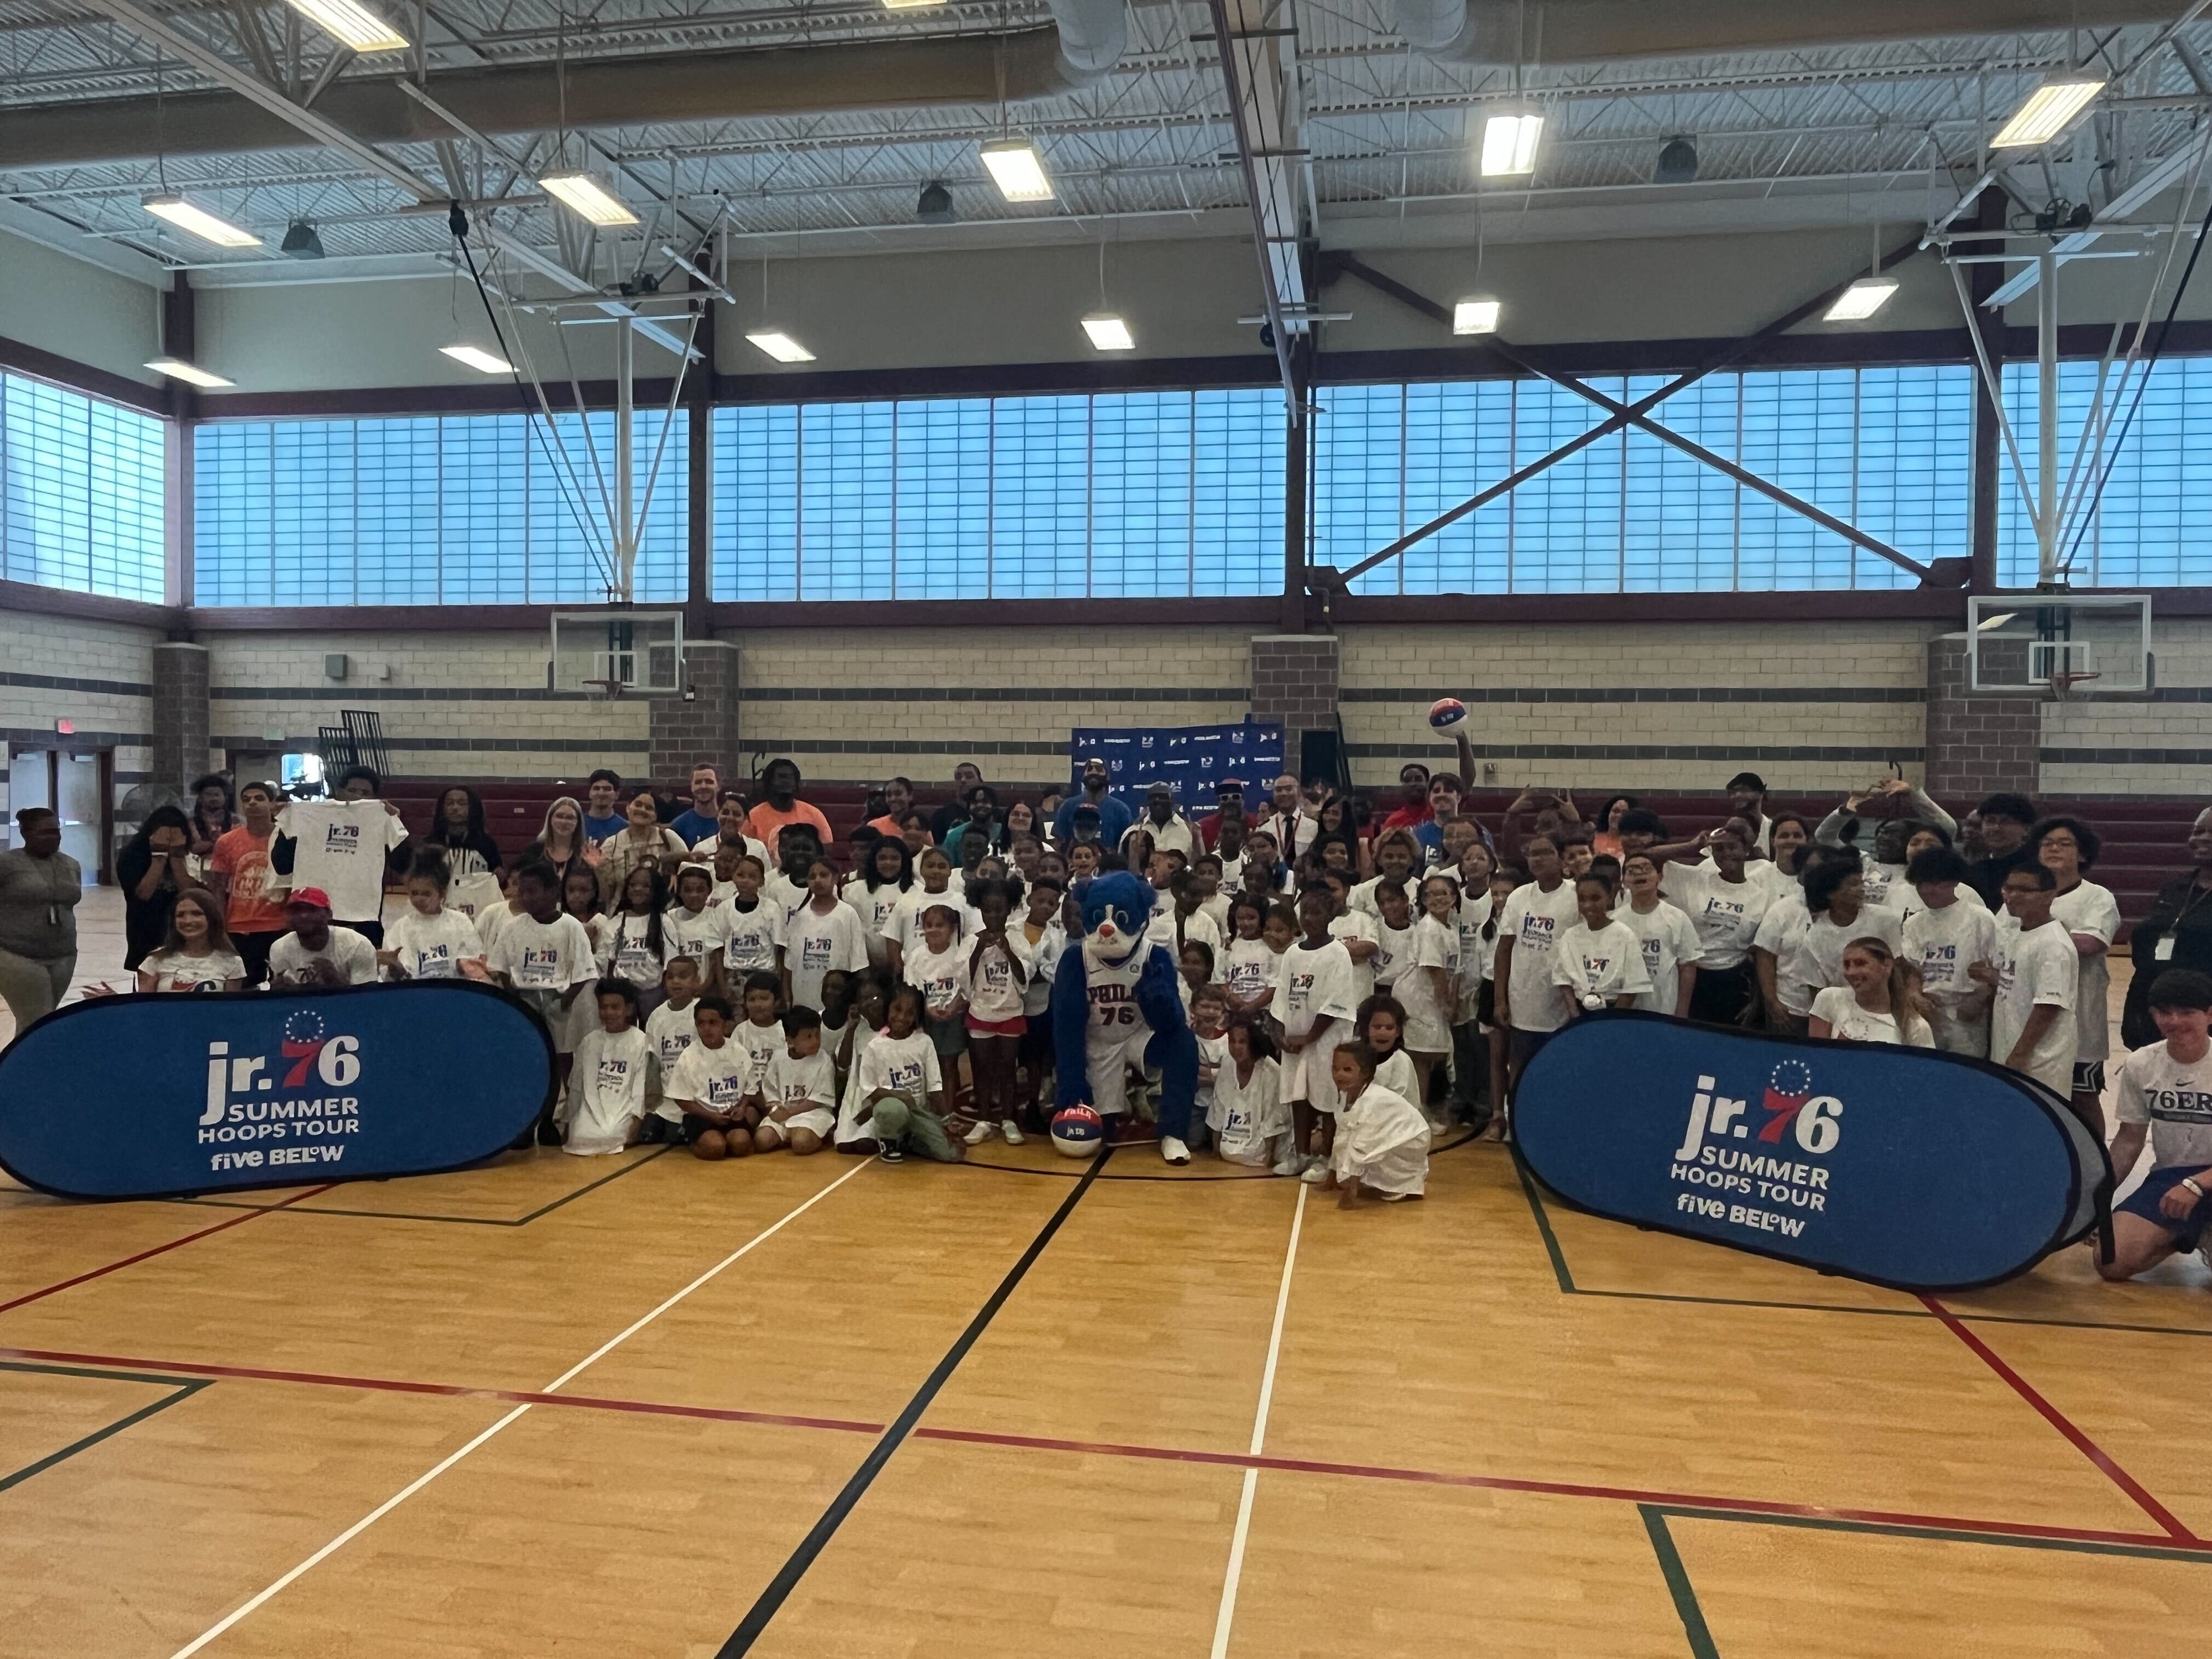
548,1132
891,1152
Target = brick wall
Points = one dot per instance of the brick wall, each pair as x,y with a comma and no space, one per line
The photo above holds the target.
98,675
702,728
1977,745
181,714
1644,706
2158,744
1296,680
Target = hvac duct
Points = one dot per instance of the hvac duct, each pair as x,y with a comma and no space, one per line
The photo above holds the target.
1088,38
1550,32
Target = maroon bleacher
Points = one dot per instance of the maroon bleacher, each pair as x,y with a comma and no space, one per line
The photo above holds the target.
2145,839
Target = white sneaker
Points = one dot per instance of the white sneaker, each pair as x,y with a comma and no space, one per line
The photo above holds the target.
1012,1131
1174,1151
1290,1162
977,1136
1316,1172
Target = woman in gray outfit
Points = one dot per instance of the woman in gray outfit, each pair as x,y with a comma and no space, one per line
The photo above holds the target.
39,887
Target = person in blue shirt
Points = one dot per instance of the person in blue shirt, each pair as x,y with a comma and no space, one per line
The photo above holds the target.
1115,816
699,820
602,816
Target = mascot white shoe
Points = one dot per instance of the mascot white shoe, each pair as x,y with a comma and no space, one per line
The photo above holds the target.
1115,1004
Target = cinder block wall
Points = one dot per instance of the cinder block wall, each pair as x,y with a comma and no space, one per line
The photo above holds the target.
98,675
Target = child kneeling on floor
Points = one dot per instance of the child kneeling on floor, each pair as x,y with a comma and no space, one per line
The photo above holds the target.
712,1084
1382,1147
896,1096
798,1092
606,1089
1250,1120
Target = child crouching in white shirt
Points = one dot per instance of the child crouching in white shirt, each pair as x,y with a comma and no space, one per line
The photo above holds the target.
606,1089
798,1092
1382,1137
1251,1122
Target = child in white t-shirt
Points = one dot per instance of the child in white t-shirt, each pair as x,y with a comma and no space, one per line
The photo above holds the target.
1427,983
995,967
896,1098
2164,1097
1599,963
799,1093
1383,1137
1947,932
752,928
1313,1000
672,1031
544,956
197,954
1394,936
1251,1125
606,1090
712,1086
760,1033
1357,929
1247,966
936,887
1669,938
692,927
821,936
427,940
634,942
1209,1011
1381,1025
580,898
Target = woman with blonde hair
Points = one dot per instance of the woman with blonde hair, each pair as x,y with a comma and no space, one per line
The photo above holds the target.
1880,1000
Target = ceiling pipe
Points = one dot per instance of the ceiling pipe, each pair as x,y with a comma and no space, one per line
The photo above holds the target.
1555,32
1088,38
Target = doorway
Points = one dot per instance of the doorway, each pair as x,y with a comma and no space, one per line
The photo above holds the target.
80,787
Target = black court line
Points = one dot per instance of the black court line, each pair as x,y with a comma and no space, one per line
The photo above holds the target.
1699,1633
181,1387
1561,1272
449,1220
771,1600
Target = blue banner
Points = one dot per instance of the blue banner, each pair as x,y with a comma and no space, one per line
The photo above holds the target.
1908,1168
150,1097
1192,760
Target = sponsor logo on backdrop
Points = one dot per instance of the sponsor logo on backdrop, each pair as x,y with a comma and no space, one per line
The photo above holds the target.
265,1110
1762,1173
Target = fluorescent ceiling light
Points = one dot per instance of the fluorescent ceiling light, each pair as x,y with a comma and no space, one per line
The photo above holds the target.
1862,299
477,357
1509,144
356,26
1109,333
199,221
587,196
1017,170
1997,621
1475,317
2049,111
780,346
178,369
909,5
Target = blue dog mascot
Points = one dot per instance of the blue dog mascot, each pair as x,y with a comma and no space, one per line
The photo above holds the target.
1115,1004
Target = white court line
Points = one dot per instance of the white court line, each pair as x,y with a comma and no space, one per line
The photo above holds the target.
1227,1617
425,1479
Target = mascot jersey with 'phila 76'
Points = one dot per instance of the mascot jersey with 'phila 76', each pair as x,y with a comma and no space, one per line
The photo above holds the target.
1116,1006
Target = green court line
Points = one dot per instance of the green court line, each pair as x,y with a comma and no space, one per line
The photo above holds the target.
181,1387
1568,1287
1678,1582
450,1220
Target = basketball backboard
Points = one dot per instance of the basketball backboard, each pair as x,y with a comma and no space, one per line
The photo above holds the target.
2059,644
612,652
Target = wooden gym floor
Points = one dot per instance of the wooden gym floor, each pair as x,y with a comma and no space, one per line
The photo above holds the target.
648,1406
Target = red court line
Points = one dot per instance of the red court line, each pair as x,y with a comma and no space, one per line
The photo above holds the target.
160,1249
2058,1420
1156,1454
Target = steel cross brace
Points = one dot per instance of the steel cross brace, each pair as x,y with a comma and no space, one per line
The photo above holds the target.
1619,414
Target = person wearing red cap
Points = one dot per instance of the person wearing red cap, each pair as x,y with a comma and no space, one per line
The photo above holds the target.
315,952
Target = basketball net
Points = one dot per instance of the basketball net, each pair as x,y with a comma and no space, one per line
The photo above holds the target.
612,688
2063,683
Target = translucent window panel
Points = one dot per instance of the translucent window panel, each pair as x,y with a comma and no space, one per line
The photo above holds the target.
462,509
83,497
1126,493
2147,527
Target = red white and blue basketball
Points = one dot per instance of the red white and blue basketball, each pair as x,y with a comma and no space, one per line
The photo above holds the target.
1077,1131
1447,715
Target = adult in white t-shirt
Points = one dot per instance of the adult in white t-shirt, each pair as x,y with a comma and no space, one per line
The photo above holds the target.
1874,1005
2031,1024
316,953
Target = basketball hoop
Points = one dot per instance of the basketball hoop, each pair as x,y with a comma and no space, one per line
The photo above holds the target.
2063,683
609,688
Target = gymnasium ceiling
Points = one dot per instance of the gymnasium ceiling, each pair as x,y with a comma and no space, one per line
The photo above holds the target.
1379,139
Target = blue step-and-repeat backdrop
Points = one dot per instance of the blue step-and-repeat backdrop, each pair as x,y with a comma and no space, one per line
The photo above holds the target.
1193,759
